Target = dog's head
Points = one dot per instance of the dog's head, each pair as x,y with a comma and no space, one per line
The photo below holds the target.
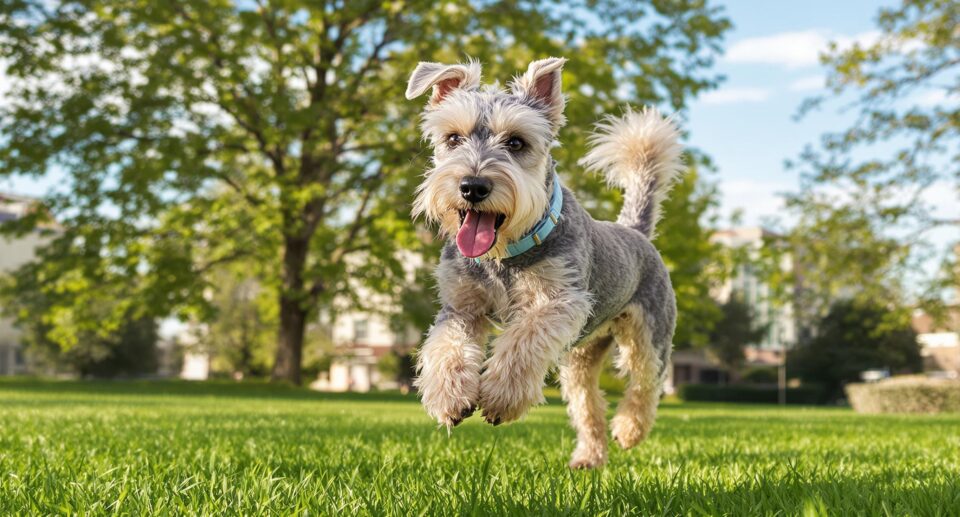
488,183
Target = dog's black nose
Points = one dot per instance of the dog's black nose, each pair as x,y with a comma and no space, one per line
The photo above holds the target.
475,189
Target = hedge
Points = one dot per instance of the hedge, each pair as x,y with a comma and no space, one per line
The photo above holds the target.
907,394
759,394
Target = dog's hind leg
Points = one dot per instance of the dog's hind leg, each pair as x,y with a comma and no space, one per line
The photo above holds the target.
638,359
580,385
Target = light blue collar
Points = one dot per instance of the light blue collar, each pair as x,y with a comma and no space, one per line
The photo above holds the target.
542,229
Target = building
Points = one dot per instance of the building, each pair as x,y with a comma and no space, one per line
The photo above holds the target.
781,322
14,251
939,342
698,366
362,338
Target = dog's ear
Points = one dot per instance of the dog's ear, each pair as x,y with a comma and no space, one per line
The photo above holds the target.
542,82
443,78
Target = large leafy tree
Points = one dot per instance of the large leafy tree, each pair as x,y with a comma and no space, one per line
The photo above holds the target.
873,191
736,328
856,336
193,133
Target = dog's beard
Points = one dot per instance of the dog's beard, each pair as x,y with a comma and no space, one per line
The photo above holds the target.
517,201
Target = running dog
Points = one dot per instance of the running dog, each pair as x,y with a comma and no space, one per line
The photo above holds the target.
524,255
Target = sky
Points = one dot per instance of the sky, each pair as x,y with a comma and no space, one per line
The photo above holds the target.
771,65
746,126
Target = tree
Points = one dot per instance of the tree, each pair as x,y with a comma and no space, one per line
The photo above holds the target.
696,264
196,133
834,251
241,335
131,351
735,329
856,336
864,207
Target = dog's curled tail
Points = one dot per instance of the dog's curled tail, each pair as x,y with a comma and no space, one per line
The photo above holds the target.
639,152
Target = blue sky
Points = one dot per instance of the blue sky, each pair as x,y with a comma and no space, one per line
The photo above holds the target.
771,66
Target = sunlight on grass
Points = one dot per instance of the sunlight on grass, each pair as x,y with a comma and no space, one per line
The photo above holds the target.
137,448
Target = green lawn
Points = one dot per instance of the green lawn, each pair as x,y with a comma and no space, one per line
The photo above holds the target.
144,448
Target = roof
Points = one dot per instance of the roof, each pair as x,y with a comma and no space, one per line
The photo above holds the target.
924,323
15,198
15,206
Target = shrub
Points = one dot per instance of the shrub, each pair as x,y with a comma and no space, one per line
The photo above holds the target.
749,393
760,375
907,394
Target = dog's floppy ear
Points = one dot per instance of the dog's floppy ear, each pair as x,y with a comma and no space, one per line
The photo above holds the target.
542,82
443,78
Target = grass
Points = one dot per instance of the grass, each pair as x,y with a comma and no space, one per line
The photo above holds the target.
171,448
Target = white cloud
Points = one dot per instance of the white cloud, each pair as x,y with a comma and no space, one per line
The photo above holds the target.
756,199
795,49
808,83
934,98
735,95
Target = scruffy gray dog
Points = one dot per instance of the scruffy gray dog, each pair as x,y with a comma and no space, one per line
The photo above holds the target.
525,255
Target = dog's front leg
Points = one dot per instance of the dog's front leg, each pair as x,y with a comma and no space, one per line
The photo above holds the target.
448,366
548,321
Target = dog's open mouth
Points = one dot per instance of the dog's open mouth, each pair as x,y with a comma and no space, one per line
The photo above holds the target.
478,231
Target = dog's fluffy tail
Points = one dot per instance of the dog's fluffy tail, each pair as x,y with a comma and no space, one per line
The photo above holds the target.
639,152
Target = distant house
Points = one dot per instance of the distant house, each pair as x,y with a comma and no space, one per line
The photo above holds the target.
13,253
939,342
698,366
362,338
781,321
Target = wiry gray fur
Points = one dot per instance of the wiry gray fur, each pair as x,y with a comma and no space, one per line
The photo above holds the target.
619,266
562,302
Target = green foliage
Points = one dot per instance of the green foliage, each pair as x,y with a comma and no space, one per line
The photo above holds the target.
253,449
736,329
864,209
835,251
696,265
242,334
853,337
193,134
805,395
128,351
760,375
389,366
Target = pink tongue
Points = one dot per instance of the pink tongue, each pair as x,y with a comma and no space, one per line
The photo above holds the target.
477,233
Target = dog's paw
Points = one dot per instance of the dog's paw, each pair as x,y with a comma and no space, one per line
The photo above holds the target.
505,398
628,431
464,414
589,454
449,398
586,463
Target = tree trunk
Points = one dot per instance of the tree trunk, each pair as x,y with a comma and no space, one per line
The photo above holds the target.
294,308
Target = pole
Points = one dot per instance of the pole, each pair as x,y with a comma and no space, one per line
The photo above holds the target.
782,378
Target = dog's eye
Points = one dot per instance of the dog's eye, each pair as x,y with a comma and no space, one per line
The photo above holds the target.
454,140
515,144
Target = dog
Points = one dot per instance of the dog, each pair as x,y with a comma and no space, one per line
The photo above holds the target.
524,255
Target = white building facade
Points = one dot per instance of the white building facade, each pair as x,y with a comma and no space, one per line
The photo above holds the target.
14,252
363,338
780,320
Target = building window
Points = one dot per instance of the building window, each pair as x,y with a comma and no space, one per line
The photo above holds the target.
359,330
